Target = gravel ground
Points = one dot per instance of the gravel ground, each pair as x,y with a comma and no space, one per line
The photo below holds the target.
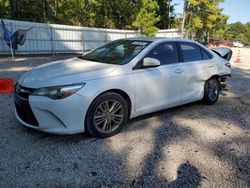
194,145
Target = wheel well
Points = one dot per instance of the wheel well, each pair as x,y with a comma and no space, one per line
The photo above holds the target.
123,94
217,77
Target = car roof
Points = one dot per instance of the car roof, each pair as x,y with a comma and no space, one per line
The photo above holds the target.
154,39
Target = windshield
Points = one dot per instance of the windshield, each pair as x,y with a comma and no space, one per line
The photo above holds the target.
117,52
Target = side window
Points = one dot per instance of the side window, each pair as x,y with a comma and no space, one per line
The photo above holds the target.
205,55
166,53
191,52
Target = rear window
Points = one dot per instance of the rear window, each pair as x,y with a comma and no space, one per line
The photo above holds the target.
205,55
191,52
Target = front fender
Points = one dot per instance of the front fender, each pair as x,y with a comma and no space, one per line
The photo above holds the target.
94,88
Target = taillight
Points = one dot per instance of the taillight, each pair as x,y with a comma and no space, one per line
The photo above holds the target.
228,65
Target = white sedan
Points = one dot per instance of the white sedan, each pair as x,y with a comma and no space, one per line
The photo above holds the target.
98,92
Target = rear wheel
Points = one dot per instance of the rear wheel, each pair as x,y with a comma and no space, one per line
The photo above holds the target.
211,91
107,115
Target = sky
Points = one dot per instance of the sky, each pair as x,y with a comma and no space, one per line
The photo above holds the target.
238,10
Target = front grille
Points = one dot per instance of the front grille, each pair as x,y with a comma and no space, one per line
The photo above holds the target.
24,111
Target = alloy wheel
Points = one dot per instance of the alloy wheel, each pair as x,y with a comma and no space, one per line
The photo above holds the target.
108,116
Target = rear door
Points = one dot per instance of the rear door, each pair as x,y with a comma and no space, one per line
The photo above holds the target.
197,67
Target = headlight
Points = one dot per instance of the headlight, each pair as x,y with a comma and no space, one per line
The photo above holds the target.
58,92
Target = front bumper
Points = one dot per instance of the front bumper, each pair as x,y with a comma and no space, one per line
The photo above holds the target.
65,116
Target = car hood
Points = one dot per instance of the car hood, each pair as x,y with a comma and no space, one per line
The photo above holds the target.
65,72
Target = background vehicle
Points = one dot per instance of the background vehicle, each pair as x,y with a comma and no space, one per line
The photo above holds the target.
214,42
226,43
126,78
238,44
217,42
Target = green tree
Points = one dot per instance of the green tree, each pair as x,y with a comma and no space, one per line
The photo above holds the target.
218,30
238,32
4,11
234,30
203,17
166,13
146,15
247,34
113,14
147,18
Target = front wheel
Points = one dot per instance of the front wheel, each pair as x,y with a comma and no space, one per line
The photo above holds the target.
107,115
211,91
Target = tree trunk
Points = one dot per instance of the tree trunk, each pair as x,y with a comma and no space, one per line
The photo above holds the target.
47,8
56,8
3,8
37,11
185,9
13,8
169,12
87,12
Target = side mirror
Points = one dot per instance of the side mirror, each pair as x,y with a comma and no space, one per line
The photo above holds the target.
151,62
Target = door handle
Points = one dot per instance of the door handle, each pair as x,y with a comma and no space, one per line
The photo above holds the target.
178,71
210,66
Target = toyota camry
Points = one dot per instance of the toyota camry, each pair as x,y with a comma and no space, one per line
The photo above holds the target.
100,91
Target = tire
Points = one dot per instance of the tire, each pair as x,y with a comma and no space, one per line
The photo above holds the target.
211,91
107,115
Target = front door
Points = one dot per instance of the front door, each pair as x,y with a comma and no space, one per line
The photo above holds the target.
158,87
